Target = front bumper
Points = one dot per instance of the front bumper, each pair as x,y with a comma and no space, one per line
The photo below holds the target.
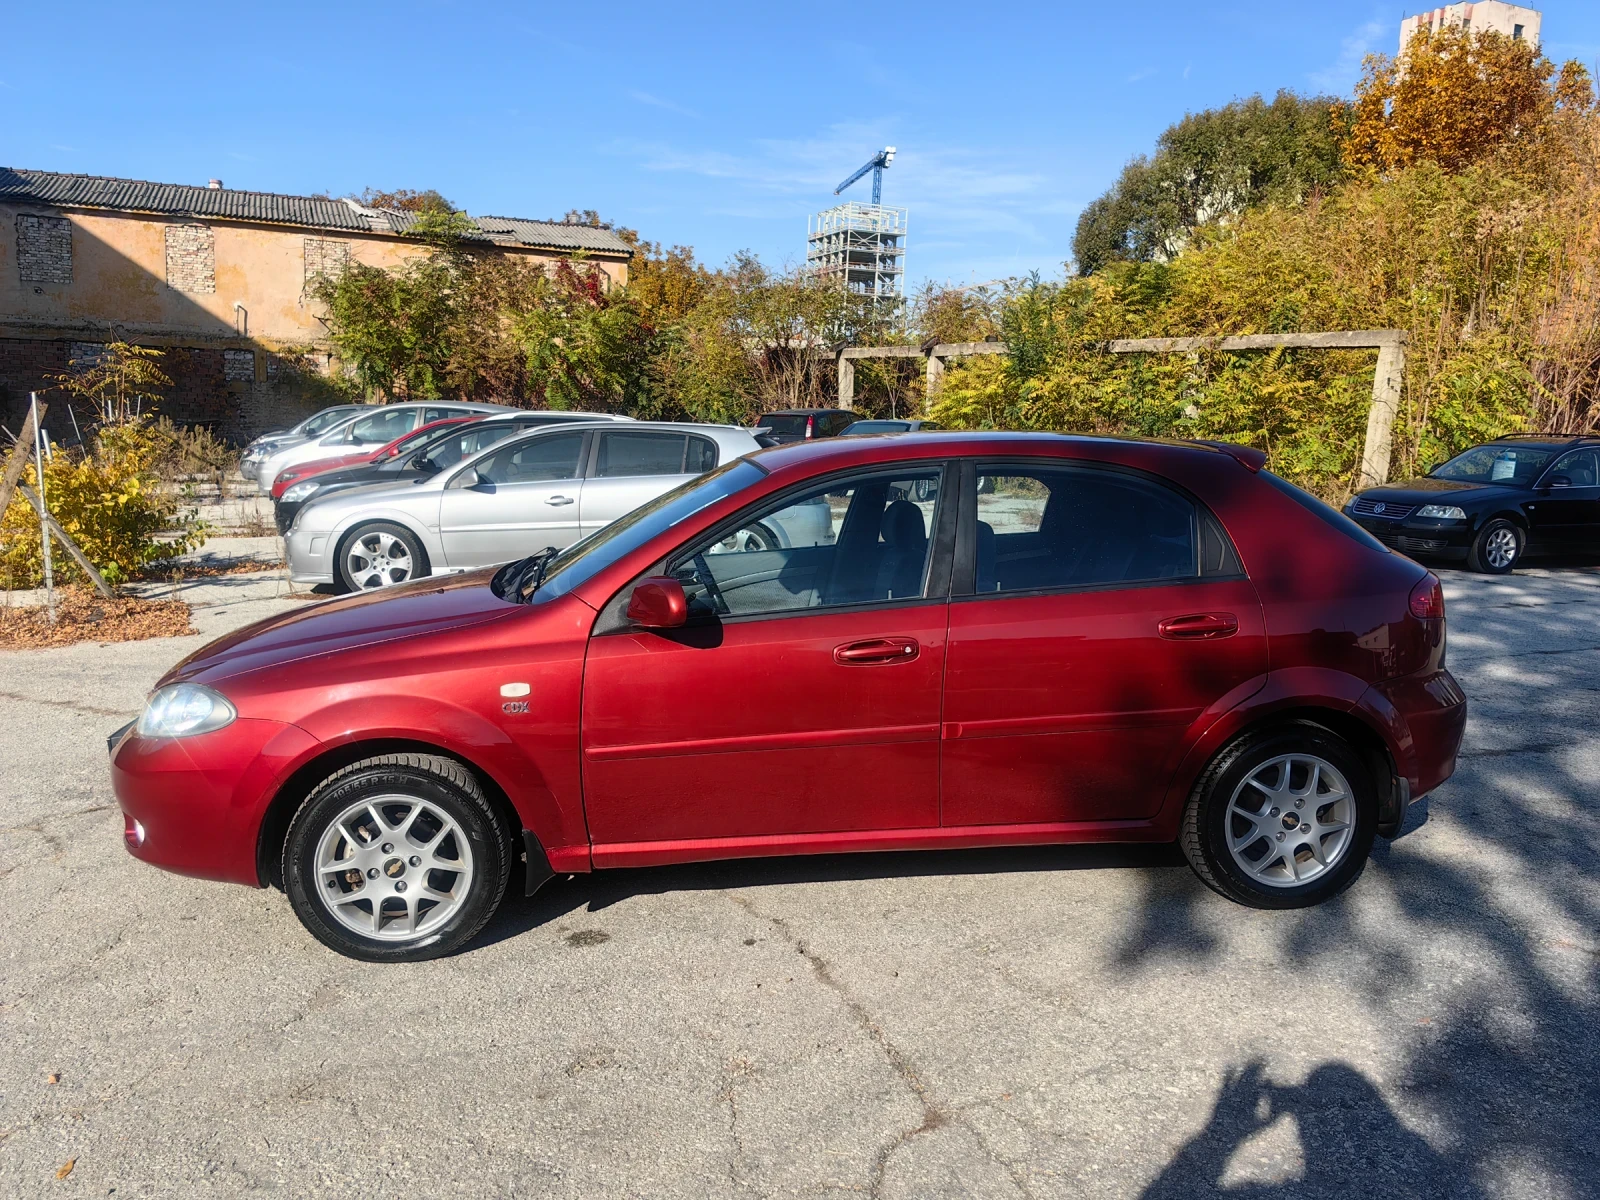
310,555
1420,536
283,513
194,805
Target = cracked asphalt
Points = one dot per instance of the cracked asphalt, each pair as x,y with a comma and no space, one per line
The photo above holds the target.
1050,1022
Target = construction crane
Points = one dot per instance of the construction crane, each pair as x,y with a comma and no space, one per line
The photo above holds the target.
877,164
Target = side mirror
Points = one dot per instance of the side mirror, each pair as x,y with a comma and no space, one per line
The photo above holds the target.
1556,481
467,479
425,464
658,602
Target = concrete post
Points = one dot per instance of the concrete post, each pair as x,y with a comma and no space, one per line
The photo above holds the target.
847,382
1386,380
935,374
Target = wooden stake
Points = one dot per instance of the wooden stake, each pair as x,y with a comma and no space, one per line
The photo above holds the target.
71,546
18,461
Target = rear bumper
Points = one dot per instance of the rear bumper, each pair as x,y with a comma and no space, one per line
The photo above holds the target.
1423,717
194,805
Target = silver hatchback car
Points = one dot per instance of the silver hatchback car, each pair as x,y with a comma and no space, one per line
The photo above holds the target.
548,487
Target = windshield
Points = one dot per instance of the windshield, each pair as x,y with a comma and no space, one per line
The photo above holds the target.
783,422
880,427
323,420
1516,466
582,560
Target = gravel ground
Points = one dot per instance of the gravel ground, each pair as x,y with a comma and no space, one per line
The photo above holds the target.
1053,1022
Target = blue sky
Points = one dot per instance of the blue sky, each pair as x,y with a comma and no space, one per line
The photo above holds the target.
716,126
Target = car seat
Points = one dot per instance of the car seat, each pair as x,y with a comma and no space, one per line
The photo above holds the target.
905,549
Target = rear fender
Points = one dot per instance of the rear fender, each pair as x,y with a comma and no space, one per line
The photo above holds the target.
1295,689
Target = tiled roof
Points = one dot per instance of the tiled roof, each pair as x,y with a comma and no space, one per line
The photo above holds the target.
311,212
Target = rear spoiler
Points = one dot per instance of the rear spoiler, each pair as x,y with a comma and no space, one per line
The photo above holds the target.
1247,456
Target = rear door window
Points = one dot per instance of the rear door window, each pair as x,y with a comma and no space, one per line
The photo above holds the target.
1054,527
640,453
785,423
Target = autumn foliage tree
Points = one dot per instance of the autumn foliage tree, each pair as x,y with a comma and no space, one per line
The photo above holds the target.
1455,97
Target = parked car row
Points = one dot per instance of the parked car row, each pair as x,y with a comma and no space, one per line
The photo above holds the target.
874,643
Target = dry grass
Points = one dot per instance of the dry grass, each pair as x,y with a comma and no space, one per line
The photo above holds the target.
83,615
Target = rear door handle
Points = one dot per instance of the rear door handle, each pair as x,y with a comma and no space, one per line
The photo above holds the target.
1199,626
876,650
559,500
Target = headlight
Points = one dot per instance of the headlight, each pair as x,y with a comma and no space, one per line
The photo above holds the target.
183,709
299,491
1445,512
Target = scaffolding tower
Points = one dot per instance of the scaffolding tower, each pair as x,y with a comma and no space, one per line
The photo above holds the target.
860,247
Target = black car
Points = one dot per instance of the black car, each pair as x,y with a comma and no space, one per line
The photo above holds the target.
801,424
446,448
1531,494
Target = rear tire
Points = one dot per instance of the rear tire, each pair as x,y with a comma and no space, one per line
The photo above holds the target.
1283,818
1497,549
398,858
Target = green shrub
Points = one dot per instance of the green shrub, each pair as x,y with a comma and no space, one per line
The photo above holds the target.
110,501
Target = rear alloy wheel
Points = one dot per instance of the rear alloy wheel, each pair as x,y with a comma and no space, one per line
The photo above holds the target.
1282,819
396,859
1497,548
380,555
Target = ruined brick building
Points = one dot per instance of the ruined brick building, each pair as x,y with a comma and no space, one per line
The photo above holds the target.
216,274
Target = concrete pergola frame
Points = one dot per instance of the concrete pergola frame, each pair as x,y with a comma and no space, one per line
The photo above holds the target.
1389,343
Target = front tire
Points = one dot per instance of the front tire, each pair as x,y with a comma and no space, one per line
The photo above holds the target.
1282,819
1497,548
380,554
396,859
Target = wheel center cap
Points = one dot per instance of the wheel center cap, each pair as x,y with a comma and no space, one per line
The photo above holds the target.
1291,820
394,868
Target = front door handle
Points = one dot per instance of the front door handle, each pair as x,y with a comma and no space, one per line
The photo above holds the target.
1199,626
876,650
559,500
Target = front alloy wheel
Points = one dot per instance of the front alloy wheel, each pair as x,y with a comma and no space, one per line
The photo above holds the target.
396,859
381,555
1496,549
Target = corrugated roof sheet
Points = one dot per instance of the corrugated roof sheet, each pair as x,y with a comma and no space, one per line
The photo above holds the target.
311,212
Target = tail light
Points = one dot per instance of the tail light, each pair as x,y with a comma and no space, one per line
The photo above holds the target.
1427,598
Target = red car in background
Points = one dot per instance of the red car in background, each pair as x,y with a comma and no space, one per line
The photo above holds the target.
993,640
287,479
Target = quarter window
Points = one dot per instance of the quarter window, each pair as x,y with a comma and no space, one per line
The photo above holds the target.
639,453
537,460
855,541
1061,527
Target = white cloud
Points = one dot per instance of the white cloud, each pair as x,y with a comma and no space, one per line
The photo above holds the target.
658,102
1341,75
1146,73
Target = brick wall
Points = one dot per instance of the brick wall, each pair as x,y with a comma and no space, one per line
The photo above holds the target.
325,256
44,249
191,259
213,387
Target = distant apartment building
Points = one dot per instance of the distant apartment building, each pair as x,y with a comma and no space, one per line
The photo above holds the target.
216,275
1512,20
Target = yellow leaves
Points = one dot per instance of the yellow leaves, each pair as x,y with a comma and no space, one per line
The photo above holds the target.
66,1168
1453,98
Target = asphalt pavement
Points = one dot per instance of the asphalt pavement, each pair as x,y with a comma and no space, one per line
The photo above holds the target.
1082,1021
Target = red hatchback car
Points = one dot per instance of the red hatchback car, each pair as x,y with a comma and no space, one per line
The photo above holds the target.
925,641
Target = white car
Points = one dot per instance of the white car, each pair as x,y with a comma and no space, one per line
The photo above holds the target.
367,428
317,424
547,487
